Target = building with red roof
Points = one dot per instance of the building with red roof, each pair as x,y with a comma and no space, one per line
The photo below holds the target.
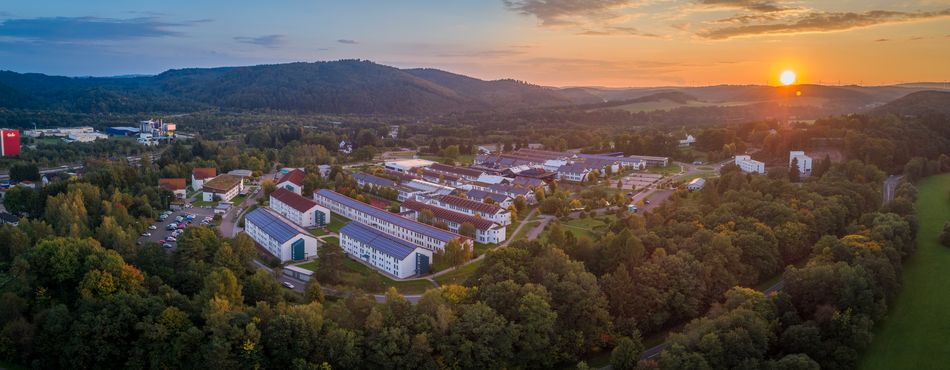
302,211
486,231
176,186
200,175
292,181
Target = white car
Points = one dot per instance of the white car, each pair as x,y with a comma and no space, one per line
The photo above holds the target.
171,239
146,234
152,227
287,285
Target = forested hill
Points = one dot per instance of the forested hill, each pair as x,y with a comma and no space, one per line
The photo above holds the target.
346,86
919,103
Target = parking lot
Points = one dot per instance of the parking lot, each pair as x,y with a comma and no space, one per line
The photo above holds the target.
161,233
640,180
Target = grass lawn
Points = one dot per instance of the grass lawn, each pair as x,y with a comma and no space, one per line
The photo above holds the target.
524,231
332,240
317,231
458,276
201,203
916,332
464,159
589,227
357,272
237,200
668,170
337,222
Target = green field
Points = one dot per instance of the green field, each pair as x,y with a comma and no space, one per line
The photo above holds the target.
459,275
668,170
356,273
332,240
337,222
916,333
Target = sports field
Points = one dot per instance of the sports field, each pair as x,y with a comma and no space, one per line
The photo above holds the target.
916,334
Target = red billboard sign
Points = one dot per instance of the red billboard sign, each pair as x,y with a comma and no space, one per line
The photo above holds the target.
10,143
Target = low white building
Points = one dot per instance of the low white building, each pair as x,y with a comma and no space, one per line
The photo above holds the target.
388,254
749,165
486,231
85,137
279,236
302,211
696,184
407,165
576,172
472,207
201,174
292,181
688,141
804,161
222,188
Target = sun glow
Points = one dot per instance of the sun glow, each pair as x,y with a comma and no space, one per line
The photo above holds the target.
787,77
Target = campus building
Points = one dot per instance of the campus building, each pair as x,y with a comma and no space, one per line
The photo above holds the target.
292,181
279,236
491,212
426,236
485,230
176,186
302,211
749,165
804,161
479,195
696,184
407,165
469,174
223,187
201,174
386,253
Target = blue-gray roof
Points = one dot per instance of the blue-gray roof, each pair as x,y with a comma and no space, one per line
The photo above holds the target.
375,180
431,231
377,240
480,195
272,225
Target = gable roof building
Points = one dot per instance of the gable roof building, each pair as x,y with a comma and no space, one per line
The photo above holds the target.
292,181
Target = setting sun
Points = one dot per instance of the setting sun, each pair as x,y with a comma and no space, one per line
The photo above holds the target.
787,77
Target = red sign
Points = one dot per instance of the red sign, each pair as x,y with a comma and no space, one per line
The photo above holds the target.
10,144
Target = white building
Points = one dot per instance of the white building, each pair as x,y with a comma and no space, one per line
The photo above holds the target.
407,165
416,233
280,236
804,161
85,137
696,184
302,211
485,231
386,253
59,131
223,187
492,212
576,172
201,174
747,164
688,141
292,181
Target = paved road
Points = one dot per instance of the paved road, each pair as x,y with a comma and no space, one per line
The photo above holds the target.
890,187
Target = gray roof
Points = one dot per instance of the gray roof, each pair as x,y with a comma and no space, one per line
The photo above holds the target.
431,231
272,225
386,244
480,195
374,180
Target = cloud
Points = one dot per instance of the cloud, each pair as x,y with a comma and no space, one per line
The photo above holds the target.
267,41
347,41
616,31
71,29
560,12
489,53
763,6
822,22
882,40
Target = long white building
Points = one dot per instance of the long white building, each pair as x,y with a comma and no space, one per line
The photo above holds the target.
747,164
491,212
485,231
804,161
426,236
302,211
279,236
391,255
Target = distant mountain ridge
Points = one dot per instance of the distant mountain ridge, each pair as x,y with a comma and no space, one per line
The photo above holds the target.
919,103
364,87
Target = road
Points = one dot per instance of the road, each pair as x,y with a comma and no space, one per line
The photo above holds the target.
890,187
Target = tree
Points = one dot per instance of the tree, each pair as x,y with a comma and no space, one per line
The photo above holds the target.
313,292
24,172
426,216
454,253
467,229
19,200
945,235
626,354
520,203
331,258
794,173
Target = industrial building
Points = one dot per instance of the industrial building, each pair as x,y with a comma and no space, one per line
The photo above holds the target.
279,236
391,255
302,211
201,174
426,236
804,161
486,231
749,165
222,188
10,142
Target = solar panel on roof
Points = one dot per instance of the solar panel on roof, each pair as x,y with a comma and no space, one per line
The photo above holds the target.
271,225
384,243
386,216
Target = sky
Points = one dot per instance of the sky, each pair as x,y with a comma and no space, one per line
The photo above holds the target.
612,43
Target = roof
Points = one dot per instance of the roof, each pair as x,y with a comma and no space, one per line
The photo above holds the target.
508,189
527,181
241,173
457,170
172,184
698,181
402,176
201,173
480,195
293,200
409,163
475,205
374,180
222,183
448,215
576,167
388,245
8,218
294,177
440,175
274,225
384,215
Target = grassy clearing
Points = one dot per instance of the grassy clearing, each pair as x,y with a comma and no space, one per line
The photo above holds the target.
318,231
668,170
459,275
524,230
589,227
357,273
337,222
916,332
332,240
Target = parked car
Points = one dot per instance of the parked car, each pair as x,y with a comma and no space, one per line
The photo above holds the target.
166,245
152,227
161,241
172,226
146,234
287,285
181,226
171,239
